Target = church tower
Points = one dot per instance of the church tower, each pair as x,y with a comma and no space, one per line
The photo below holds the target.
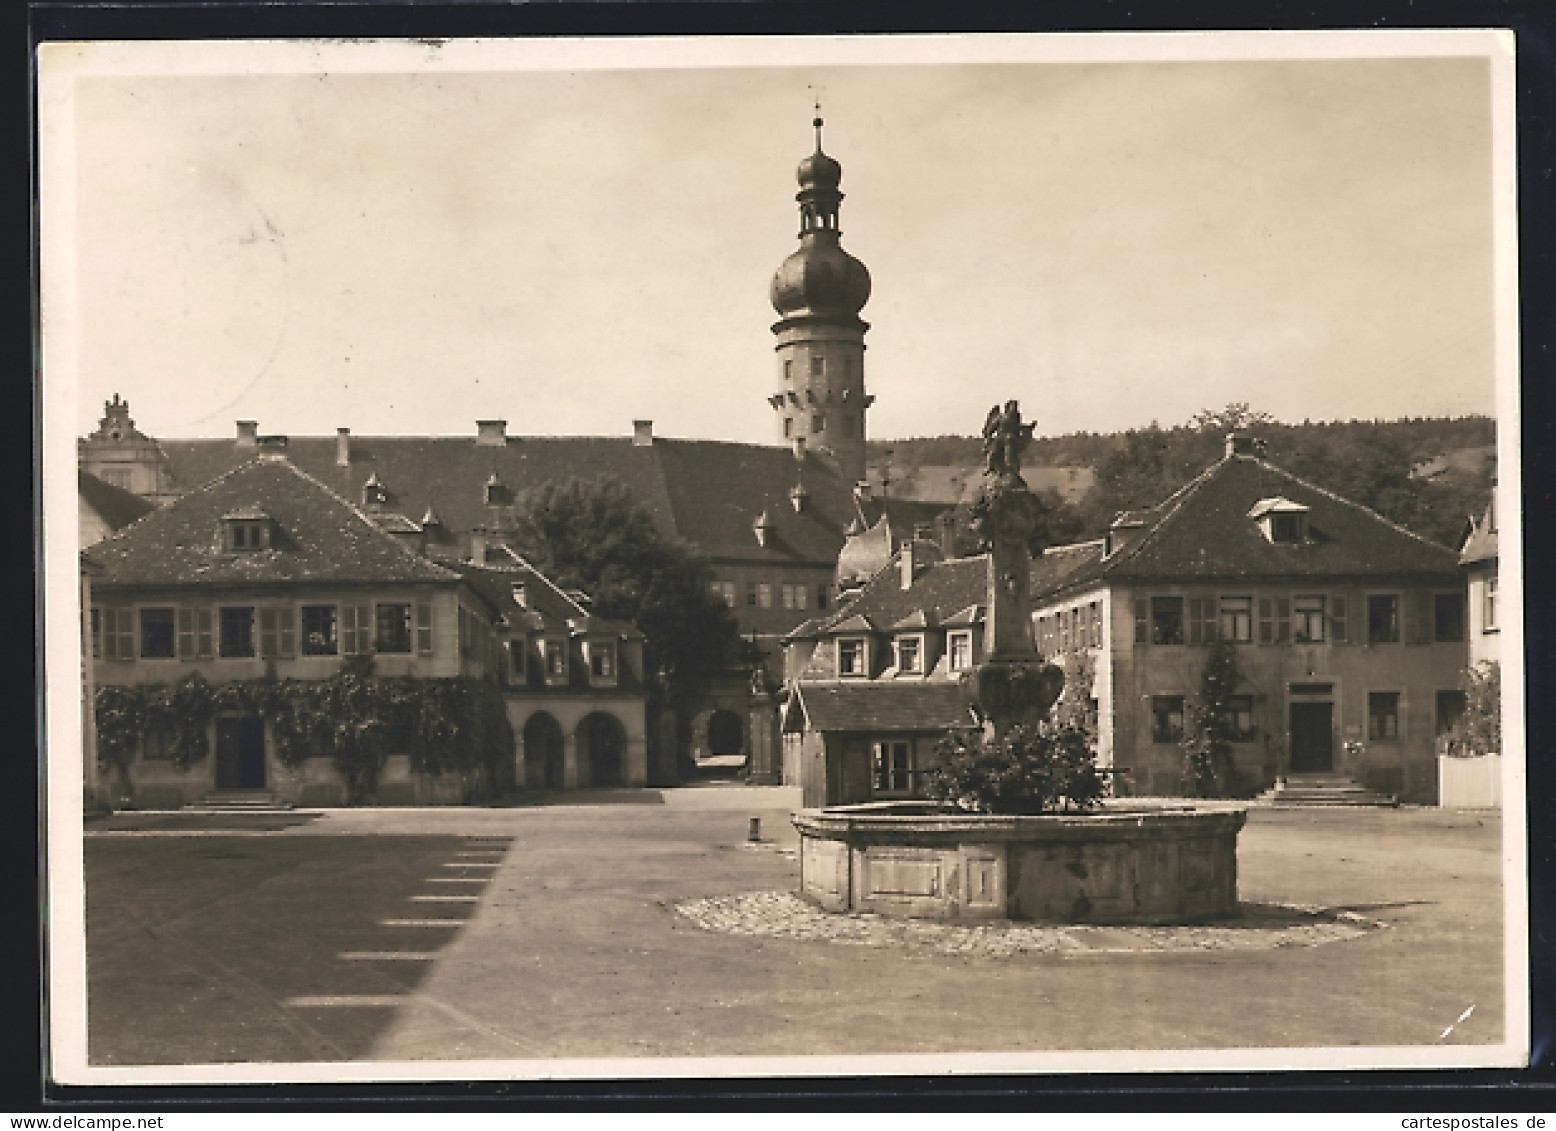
818,293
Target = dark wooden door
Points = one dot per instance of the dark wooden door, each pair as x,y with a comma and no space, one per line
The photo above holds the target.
240,753
1312,738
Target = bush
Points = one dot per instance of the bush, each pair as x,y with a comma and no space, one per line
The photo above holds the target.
1480,730
1049,767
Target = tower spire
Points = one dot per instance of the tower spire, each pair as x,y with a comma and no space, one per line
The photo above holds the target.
818,292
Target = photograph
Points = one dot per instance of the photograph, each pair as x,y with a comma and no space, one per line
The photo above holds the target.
802,556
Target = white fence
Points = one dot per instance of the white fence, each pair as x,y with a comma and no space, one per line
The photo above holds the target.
1469,783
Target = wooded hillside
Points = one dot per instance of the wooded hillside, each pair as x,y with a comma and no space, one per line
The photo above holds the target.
1367,461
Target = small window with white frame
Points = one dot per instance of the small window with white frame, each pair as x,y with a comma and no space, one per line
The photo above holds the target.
959,648
1237,619
852,658
910,655
602,662
554,656
892,763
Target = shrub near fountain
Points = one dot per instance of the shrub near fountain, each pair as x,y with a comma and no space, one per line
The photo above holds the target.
1016,826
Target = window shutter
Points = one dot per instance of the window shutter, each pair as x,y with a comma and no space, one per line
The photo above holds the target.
1266,620
1418,617
186,634
1196,620
97,633
1283,620
424,628
267,633
1142,621
1337,620
126,621
286,615
348,630
365,629
204,638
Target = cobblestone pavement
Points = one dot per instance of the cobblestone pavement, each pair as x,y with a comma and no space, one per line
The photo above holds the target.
776,914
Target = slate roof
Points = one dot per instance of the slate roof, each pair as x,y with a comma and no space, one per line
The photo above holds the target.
708,493
1203,532
883,706
114,505
318,536
940,591
1056,563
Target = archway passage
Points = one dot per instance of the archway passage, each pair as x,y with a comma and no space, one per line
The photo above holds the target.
726,733
602,747
542,752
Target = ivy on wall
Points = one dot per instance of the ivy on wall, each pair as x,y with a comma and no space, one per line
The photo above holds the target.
357,719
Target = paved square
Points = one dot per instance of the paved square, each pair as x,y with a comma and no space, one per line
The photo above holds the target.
338,936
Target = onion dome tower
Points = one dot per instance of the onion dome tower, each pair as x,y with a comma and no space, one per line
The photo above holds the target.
818,293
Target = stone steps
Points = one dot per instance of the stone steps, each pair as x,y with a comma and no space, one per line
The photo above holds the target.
239,801
1323,790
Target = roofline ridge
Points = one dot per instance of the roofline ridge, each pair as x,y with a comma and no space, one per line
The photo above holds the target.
538,572
1352,503
201,489
448,574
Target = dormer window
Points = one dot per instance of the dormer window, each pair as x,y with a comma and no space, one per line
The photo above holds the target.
959,645
554,654
852,658
243,531
910,655
1281,520
601,655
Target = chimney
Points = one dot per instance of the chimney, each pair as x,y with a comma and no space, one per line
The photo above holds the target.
248,433
342,447
947,522
642,433
799,448
491,433
478,545
1238,444
906,563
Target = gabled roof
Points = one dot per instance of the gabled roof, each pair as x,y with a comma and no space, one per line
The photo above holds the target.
318,537
1056,563
1203,532
941,590
1480,545
883,706
114,505
708,493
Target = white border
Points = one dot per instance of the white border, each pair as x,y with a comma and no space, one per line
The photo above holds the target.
61,65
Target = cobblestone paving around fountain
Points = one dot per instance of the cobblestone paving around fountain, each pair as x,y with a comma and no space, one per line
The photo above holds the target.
1266,926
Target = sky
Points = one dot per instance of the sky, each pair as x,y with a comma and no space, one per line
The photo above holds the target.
408,247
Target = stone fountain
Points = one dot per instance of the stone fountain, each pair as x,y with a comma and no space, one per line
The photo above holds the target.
1127,861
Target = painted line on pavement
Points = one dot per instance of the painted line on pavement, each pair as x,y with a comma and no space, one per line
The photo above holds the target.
445,899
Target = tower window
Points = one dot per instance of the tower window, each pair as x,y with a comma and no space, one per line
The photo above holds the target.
788,369
818,366
788,427
818,423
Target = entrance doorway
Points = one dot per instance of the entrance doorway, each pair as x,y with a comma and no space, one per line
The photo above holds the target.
542,752
1312,738
240,752
602,745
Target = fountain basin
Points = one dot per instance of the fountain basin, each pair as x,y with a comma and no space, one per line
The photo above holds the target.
1123,863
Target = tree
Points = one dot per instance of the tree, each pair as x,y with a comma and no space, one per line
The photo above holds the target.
1235,417
1210,725
595,536
1479,731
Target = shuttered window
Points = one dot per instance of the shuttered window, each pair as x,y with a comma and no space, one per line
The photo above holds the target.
118,634
1274,620
1418,617
277,632
1202,620
1337,620
1142,621
356,629
194,634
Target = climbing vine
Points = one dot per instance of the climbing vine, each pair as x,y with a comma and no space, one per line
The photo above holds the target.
356,719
